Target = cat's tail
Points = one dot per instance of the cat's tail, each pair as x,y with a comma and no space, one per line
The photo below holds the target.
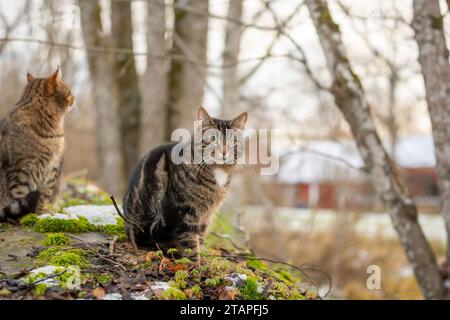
21,207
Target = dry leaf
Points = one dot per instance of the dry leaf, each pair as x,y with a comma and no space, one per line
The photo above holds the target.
99,293
188,293
150,256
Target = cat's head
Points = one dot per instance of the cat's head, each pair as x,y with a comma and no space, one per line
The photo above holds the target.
222,139
53,88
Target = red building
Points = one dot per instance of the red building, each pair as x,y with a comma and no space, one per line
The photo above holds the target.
325,174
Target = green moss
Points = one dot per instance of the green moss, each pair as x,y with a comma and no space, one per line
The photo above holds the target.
195,275
48,224
196,290
55,239
250,290
104,278
181,277
75,225
326,18
211,282
40,289
284,276
172,251
29,220
117,229
437,23
257,264
4,292
173,293
183,261
63,258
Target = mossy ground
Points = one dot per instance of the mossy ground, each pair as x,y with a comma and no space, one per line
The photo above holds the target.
222,273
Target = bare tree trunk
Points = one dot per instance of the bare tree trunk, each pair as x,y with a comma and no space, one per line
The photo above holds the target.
349,98
231,92
187,79
127,84
104,94
154,89
433,56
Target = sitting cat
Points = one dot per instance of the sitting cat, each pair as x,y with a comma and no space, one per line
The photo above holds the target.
31,147
170,205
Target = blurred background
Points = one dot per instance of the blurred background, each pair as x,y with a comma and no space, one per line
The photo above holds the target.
140,68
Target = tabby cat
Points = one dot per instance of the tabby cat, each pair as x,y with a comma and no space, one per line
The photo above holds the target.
169,205
31,147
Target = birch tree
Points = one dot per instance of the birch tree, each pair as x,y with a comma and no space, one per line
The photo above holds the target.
350,99
233,32
188,76
104,96
433,57
154,119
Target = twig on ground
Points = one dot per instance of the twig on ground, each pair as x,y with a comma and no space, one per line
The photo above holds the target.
112,245
47,277
229,239
122,216
102,256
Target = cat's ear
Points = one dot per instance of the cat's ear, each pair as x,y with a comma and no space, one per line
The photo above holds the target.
56,76
51,82
240,121
29,77
202,115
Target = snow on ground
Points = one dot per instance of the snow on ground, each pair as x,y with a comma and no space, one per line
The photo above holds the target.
321,220
95,214
46,271
118,296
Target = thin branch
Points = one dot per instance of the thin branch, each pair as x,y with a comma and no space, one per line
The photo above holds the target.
122,216
326,155
271,45
118,51
302,269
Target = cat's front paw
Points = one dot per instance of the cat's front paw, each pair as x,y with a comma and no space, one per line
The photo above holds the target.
44,208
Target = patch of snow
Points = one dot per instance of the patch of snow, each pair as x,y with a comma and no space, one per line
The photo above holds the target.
97,215
47,271
112,296
447,284
160,285
139,296
118,296
237,279
60,216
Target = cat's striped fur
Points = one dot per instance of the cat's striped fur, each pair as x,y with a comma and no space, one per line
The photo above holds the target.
31,147
170,205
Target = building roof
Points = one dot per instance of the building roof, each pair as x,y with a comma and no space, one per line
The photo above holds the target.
328,160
